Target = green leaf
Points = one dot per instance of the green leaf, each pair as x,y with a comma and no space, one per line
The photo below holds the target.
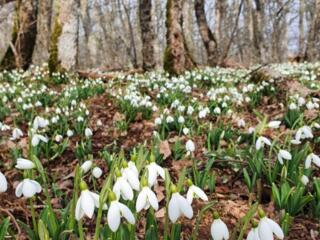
4,227
43,231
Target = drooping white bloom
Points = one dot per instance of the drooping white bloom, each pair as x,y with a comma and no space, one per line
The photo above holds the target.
219,230
37,138
305,180
88,132
97,172
122,188
58,138
131,177
181,119
283,154
241,123
133,168
169,119
179,206
116,211
190,146
3,183
267,227
69,133
195,191
146,198
28,188
40,122
24,164
154,170
261,141
274,124
86,166
185,131
16,134
304,133
86,203
158,121
217,110
312,158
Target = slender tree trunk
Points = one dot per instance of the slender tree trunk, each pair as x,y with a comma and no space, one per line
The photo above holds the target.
207,36
176,58
147,34
301,27
312,49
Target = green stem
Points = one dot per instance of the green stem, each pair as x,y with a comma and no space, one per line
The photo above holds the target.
80,230
33,215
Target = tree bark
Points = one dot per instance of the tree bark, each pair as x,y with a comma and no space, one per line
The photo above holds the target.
301,27
176,59
207,36
147,34
313,46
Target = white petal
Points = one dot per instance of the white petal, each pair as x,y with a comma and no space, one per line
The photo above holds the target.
141,200
87,203
160,171
153,199
308,161
35,141
114,216
275,228
24,164
200,193
19,189
173,208
219,230
117,189
185,207
29,189
133,168
258,144
36,185
152,175
190,195
96,200
132,179
3,183
79,213
126,190
316,160
126,213
265,232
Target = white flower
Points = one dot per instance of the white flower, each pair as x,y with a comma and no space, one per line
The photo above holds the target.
251,130
303,133
219,230
131,177
16,134
195,191
157,121
253,234
241,123
97,172
304,179
181,119
169,119
122,188
86,166
86,203
261,141
190,147
185,131
217,110
24,164
267,227
69,133
37,138
312,158
283,154
146,198
133,167
88,132
154,170
179,206
116,211
292,106
3,183
40,122
28,188
58,138
274,124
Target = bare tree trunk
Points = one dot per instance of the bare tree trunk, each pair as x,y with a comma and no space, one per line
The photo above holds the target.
147,34
259,30
313,45
301,27
207,36
19,54
176,58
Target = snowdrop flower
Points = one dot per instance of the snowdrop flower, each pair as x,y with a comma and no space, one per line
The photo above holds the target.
116,211
58,138
3,183
132,165
292,106
219,230
97,172
146,197
87,202
181,119
190,147
69,133
241,123
195,191
86,166
251,130
122,187
312,158
190,110
24,164
16,134
130,176
304,133
37,138
274,124
169,119
267,227
28,188
154,170
178,206
253,234
157,121
40,122
305,180
185,131
99,123
88,132
283,154
261,141
217,110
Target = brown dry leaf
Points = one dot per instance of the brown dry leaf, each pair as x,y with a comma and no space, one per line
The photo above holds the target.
160,213
179,165
159,190
118,117
164,148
